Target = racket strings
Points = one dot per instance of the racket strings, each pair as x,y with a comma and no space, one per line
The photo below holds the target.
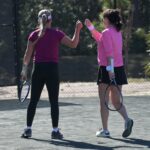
113,98
24,91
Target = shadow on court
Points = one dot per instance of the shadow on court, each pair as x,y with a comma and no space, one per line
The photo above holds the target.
83,145
134,141
8,105
79,121
73,144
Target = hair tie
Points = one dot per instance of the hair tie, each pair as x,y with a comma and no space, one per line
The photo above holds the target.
49,17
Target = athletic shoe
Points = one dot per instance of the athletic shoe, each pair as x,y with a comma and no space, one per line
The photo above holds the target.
56,135
27,133
128,128
102,133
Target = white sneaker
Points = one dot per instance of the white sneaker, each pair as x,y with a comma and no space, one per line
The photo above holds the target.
102,133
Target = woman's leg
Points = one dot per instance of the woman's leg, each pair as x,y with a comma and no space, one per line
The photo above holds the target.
52,83
128,122
115,99
103,110
53,91
37,85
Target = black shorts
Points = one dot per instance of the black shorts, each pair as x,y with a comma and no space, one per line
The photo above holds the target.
120,75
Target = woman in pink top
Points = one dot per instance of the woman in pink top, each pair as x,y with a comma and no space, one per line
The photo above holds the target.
44,44
111,65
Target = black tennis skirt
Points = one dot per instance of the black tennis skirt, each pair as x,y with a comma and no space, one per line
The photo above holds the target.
120,75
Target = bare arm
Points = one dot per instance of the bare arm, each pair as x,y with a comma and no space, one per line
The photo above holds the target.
28,53
30,48
72,43
95,34
26,59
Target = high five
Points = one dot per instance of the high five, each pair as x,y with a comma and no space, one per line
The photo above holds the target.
44,43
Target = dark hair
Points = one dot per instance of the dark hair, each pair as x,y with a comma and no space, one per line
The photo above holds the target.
113,15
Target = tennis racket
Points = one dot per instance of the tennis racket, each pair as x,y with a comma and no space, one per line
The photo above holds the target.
24,90
113,96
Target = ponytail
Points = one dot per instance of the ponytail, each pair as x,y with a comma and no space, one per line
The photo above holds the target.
43,21
118,26
118,23
44,16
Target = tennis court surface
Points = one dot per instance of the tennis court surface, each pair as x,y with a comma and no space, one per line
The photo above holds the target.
79,121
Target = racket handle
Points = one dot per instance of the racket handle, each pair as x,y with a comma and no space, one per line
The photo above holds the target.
113,81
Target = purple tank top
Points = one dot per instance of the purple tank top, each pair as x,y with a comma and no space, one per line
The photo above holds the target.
47,48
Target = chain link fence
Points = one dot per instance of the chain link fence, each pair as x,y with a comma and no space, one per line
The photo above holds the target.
7,52
78,74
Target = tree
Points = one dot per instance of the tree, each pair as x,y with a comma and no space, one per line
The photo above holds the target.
65,14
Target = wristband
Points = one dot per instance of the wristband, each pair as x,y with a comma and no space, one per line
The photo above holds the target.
91,27
110,68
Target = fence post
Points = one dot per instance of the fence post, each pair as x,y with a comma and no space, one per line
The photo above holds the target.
128,32
115,4
17,45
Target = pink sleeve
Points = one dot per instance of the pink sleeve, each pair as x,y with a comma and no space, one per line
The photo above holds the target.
107,43
96,35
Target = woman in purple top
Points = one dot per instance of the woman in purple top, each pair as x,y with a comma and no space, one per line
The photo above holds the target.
44,43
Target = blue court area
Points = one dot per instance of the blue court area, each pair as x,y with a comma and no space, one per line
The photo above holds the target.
79,121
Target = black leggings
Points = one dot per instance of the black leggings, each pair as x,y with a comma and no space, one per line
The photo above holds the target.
44,73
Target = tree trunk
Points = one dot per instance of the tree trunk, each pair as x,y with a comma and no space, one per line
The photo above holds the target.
128,33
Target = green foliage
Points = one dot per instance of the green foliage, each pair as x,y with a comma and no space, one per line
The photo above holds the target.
148,40
65,14
147,70
147,67
138,42
123,5
142,14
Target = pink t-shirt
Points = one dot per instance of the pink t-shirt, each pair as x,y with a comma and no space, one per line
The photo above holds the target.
47,48
109,45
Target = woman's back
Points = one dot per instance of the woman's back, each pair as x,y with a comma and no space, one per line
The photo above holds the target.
117,45
47,47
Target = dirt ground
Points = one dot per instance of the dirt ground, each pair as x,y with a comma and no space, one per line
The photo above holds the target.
79,120
83,89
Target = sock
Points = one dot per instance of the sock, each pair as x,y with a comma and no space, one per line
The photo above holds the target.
105,130
55,129
28,127
126,121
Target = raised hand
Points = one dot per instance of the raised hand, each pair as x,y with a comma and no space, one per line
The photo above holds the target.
87,22
79,25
